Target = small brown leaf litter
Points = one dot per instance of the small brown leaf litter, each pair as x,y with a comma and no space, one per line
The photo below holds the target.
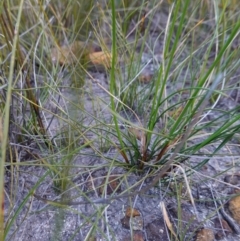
156,230
135,222
205,234
234,207
137,236
222,228
232,179
113,185
101,59
132,217
132,212
145,78
80,52
69,54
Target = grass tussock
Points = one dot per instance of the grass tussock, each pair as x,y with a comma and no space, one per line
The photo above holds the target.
92,87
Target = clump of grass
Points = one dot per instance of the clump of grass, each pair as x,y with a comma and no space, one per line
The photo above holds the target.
29,61
161,105
150,127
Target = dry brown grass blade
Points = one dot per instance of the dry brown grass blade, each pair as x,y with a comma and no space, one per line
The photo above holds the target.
168,146
176,113
162,152
188,190
8,29
143,149
142,137
136,132
2,204
166,219
123,154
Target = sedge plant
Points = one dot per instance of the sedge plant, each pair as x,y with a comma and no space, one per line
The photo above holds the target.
81,130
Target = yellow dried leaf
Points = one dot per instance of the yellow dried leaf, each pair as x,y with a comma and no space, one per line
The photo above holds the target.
80,52
101,58
70,54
